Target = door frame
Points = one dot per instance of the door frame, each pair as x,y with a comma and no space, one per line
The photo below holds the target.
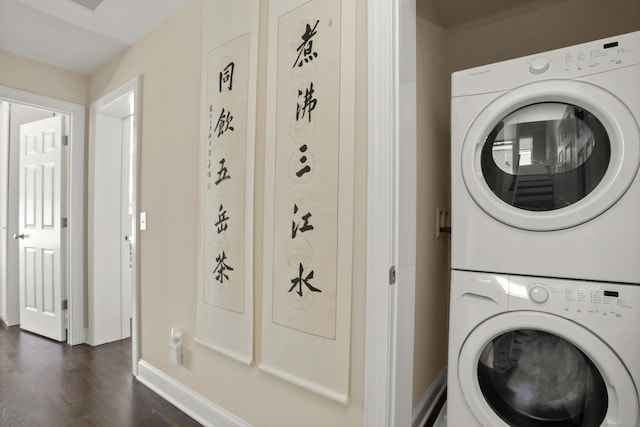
133,86
391,212
75,192
7,317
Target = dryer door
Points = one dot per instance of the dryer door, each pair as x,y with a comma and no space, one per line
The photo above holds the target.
532,369
551,155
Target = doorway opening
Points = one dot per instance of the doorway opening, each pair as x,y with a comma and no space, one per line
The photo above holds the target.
112,220
19,106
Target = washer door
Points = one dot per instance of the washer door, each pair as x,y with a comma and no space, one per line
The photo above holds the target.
551,155
532,369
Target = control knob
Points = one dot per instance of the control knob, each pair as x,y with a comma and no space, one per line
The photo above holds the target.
539,294
539,66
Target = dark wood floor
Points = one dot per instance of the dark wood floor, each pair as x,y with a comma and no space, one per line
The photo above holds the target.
44,383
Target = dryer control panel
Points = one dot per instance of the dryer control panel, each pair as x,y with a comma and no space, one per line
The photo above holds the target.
566,63
575,299
576,61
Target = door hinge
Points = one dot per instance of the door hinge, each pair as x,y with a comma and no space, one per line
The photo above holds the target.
392,275
65,140
65,304
63,222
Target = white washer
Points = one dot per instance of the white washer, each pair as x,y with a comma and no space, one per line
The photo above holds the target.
545,157
532,352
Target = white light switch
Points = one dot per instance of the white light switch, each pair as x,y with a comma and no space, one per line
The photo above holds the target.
143,220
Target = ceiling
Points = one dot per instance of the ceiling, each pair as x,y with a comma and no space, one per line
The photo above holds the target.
68,35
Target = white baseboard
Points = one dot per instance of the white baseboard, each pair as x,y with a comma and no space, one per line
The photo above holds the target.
427,404
191,403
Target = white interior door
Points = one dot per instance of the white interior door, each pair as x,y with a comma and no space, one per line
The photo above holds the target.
112,239
41,240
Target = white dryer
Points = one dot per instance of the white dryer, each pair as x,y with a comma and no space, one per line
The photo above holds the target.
532,352
545,157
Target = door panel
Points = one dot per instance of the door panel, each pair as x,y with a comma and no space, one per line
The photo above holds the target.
30,278
30,196
110,241
41,254
48,282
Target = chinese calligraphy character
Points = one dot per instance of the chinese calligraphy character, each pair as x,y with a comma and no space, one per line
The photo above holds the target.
303,159
226,77
221,267
299,281
305,50
210,123
295,227
209,137
224,123
222,173
222,220
308,104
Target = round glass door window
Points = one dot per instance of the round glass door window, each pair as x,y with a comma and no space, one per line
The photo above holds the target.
545,156
534,378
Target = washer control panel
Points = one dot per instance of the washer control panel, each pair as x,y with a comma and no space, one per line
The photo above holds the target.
576,299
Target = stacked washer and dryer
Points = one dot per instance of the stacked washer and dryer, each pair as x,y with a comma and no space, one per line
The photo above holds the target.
545,283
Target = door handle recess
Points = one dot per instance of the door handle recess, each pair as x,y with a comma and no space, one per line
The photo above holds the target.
18,236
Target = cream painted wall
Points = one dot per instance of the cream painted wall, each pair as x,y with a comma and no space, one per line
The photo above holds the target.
169,61
35,77
566,23
432,266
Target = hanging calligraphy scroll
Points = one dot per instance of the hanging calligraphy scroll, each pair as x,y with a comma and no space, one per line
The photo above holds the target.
309,196
225,301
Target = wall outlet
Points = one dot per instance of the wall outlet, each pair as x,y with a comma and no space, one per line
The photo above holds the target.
175,354
175,347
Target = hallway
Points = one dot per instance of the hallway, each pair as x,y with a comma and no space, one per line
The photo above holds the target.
44,383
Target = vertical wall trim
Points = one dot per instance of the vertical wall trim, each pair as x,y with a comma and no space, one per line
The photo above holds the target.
390,212
406,205
380,248
4,213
